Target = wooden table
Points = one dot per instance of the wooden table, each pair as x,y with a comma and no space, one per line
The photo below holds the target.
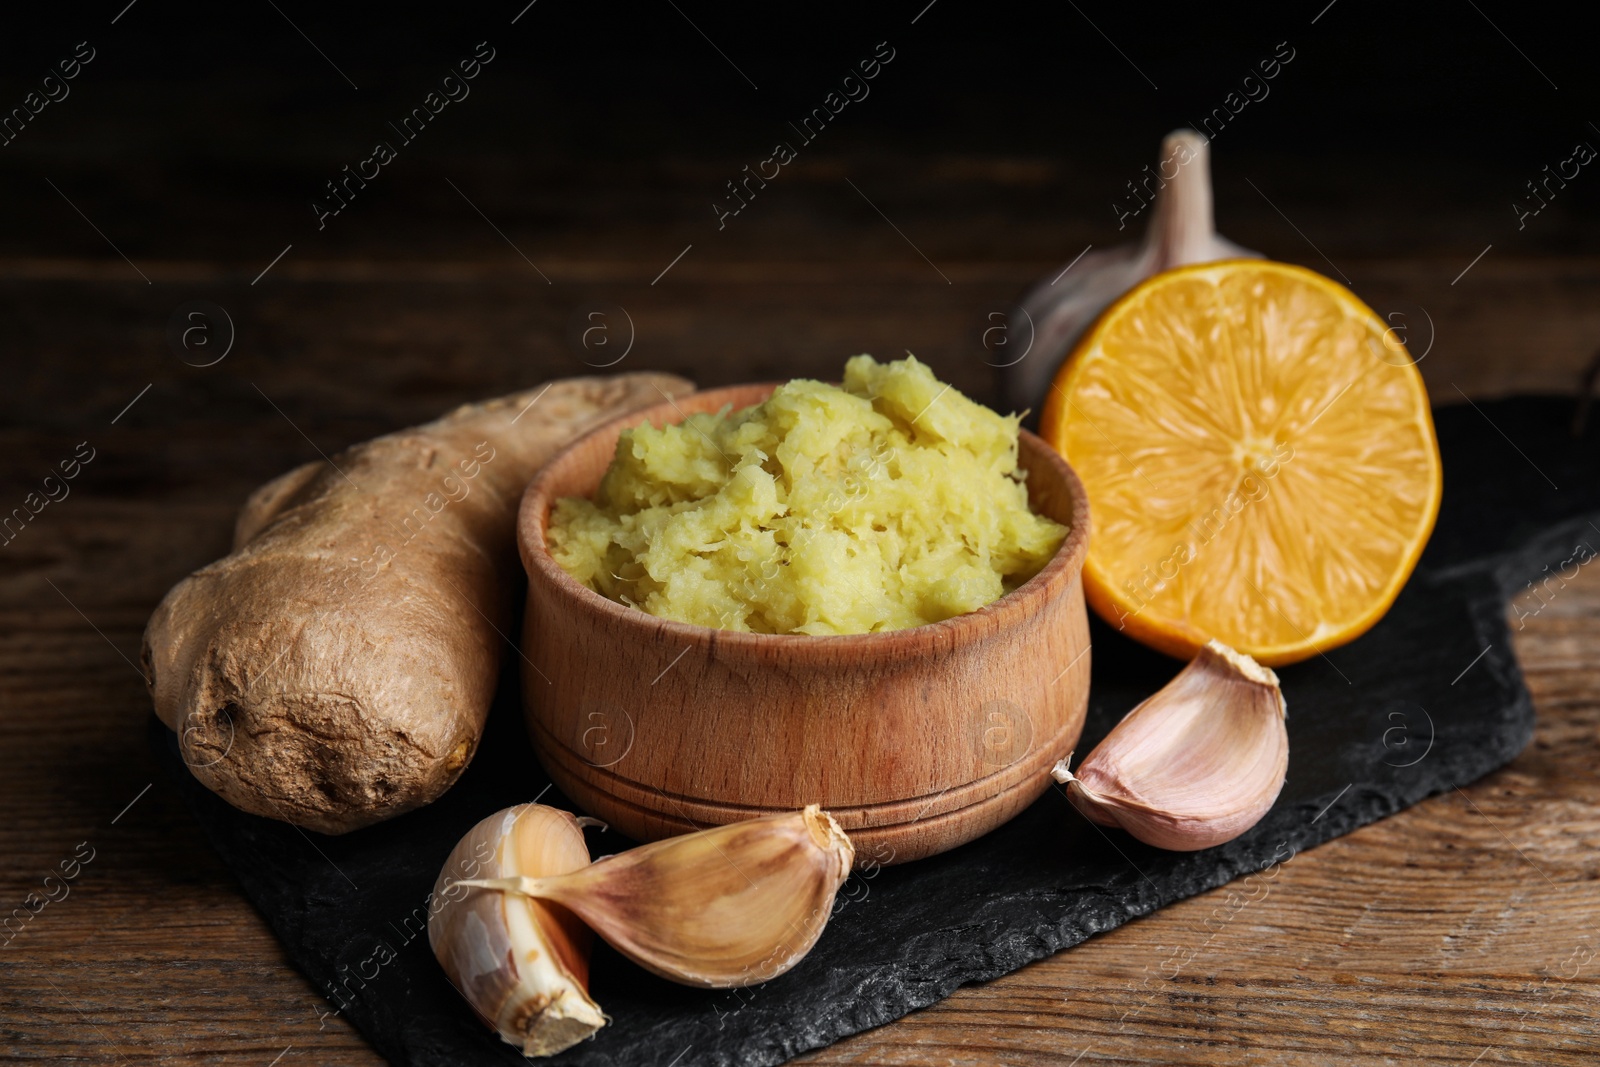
1462,931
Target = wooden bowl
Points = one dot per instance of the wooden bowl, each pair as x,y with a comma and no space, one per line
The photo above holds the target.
916,740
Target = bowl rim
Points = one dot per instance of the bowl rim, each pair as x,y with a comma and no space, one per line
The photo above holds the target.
1008,610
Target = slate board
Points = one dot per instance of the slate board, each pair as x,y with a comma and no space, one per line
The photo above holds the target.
1430,699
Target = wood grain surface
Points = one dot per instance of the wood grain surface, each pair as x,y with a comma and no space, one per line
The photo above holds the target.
1462,931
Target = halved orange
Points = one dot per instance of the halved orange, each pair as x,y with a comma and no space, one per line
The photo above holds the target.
1259,457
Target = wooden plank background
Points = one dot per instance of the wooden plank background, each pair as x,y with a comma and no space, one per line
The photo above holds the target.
1460,932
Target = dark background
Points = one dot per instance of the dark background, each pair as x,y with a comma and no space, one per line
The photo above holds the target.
205,130
200,135
1390,150
230,105
589,153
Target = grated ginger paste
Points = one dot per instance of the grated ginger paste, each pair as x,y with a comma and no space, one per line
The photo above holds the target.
891,502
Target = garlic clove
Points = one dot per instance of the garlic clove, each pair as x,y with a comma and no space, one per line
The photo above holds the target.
1181,231
730,906
523,964
1195,765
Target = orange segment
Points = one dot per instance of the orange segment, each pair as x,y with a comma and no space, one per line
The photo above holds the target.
1259,457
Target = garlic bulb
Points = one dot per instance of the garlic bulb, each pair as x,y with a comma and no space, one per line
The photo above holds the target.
522,964
1195,765
729,906
1181,231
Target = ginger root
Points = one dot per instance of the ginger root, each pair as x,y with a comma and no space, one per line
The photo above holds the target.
336,669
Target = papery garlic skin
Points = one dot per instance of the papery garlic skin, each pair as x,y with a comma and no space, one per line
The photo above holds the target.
730,906
1057,310
1195,765
522,964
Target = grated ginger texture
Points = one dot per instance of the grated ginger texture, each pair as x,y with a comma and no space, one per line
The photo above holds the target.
891,502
